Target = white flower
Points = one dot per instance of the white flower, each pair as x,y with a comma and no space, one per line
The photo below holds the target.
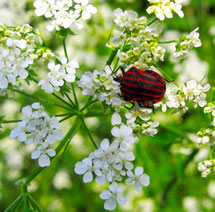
16,54
38,128
138,179
43,154
101,85
116,119
58,73
87,168
124,133
62,14
149,128
164,8
112,196
86,10
187,43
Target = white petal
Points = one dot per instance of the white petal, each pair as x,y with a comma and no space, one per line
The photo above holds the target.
88,177
130,156
58,134
110,204
80,168
130,139
87,162
27,111
101,180
105,144
70,78
51,152
115,132
114,146
145,180
35,154
138,171
125,130
3,83
22,136
129,181
15,132
85,15
121,200
105,194
138,186
44,160
35,105
116,119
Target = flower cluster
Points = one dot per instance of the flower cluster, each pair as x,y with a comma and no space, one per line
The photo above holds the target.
101,85
207,135
40,129
59,73
113,163
206,166
138,119
64,14
137,42
17,48
176,97
186,43
164,8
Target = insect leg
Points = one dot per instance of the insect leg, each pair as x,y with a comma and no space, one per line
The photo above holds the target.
169,80
121,68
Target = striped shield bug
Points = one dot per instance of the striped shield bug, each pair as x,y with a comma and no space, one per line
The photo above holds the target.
146,87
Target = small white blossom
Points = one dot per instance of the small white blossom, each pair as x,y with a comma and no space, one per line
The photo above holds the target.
87,168
112,196
123,134
205,167
43,154
58,73
16,52
62,14
149,128
138,179
38,128
164,8
186,43
101,85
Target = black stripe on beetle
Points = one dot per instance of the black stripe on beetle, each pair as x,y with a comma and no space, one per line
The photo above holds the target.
146,87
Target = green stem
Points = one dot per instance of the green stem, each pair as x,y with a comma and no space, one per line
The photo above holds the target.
116,64
88,132
66,114
112,56
11,121
70,134
67,118
95,114
68,97
62,100
38,98
14,203
169,78
86,106
25,197
35,203
166,42
73,89
151,22
75,97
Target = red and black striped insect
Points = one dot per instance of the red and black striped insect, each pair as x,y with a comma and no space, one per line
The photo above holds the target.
146,87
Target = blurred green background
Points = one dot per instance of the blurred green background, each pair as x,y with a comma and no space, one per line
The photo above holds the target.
58,188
